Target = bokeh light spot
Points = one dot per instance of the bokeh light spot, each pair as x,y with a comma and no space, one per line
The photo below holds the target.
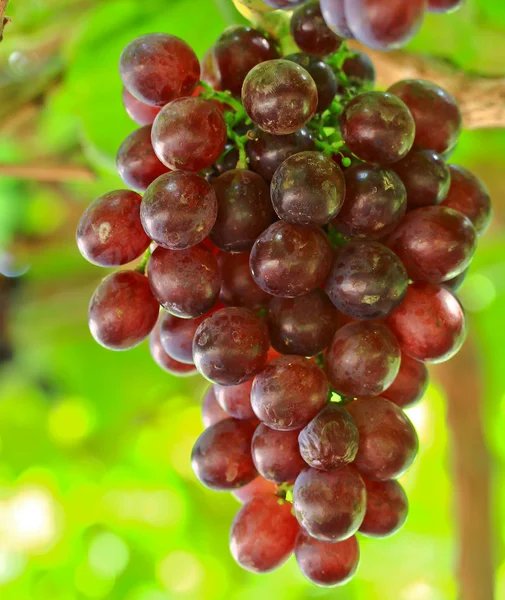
71,421
108,555
181,572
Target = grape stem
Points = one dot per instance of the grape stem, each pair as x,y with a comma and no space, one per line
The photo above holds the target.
141,267
3,19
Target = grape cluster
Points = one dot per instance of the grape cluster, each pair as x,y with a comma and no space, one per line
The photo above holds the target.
305,237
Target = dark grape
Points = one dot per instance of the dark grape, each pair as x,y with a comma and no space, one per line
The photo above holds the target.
326,564
330,440
276,454
122,311
237,50
258,487
157,68
231,346
185,282
267,152
359,70
289,392
177,336
388,442
166,362
221,457
110,233
330,505
410,384
366,281
136,161
178,210
363,360
384,24
235,399
323,76
310,32
244,210
303,325
456,282
190,134
429,323
435,111
470,196
435,243
263,534
378,127
308,189
140,112
279,96
284,4
211,411
289,261
443,6
238,288
386,508
375,202
333,12
425,176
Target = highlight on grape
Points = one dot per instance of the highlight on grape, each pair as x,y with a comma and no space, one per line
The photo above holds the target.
305,239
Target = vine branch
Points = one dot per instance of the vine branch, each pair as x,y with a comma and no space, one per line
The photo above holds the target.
3,19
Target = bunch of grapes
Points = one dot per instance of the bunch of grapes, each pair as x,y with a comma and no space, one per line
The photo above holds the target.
304,237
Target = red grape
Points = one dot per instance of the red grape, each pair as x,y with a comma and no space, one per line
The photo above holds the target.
378,127
388,442
469,195
185,282
122,311
110,233
330,505
326,564
279,96
289,392
140,112
238,288
384,24
289,261
310,32
429,324
435,111
178,210
410,384
221,457
263,534
190,134
456,282
363,360
334,14
303,325
244,210
375,202
235,399
308,189
211,411
177,336
386,508
258,487
157,68
443,6
166,362
330,440
425,176
366,281
136,161
323,76
434,243
359,70
276,454
231,346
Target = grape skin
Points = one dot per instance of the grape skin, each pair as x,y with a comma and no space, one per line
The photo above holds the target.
238,288
110,233
235,399
410,384
276,454
443,6
333,12
330,505
456,282
211,411
258,487
359,69
166,362
323,76
177,336
310,32
263,534
386,508
140,112
363,359
122,311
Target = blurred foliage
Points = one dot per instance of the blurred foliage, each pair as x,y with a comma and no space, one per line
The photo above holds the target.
97,497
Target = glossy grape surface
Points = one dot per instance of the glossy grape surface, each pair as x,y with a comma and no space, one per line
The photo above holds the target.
359,69
410,384
429,324
310,32
211,411
122,311
388,442
289,393
330,505
289,261
177,336
443,6
323,76
386,508
189,134
284,4
166,362
231,346
276,454
235,399
378,127
456,282
363,360
279,96
333,12
258,487
238,288
366,281
185,282
141,113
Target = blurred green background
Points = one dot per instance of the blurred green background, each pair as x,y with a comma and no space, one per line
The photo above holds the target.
97,497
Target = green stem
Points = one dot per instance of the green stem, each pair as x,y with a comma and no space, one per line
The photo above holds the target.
225,97
141,267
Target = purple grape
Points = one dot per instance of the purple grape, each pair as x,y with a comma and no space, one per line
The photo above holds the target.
238,288
323,76
140,112
177,336
386,508
211,411
333,12
258,487
166,362
276,454
359,70
443,6
410,384
310,32
235,399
